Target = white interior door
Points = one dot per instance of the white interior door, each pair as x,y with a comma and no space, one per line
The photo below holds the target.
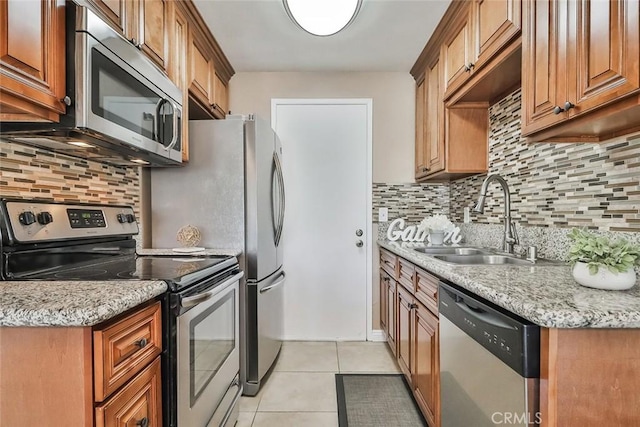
326,161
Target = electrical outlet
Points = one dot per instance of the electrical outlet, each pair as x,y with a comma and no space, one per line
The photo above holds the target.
383,214
467,215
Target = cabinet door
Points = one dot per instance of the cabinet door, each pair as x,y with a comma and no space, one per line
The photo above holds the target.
434,132
384,300
456,53
200,69
113,11
421,118
405,309
220,97
607,52
139,403
392,311
177,63
495,23
544,76
153,30
425,366
32,60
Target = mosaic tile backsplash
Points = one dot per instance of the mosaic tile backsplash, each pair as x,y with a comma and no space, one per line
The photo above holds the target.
555,185
552,185
411,201
27,172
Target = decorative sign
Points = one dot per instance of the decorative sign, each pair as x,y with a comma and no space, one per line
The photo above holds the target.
411,233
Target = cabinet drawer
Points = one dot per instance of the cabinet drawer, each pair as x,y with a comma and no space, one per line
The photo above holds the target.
427,290
388,262
406,272
139,400
123,349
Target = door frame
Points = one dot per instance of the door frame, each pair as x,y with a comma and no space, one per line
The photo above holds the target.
368,103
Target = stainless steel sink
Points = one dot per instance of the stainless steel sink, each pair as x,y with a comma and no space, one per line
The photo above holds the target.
451,251
485,259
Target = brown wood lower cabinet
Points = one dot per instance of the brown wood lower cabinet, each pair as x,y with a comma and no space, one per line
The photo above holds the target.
48,374
411,312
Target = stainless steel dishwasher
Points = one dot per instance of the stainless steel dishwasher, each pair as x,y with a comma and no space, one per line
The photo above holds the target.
489,363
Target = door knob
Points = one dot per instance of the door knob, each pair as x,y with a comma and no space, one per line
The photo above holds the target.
359,243
358,232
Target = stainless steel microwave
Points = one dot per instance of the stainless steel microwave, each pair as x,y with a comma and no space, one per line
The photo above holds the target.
122,109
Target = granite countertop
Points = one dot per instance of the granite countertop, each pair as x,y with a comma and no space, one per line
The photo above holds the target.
71,303
546,295
206,252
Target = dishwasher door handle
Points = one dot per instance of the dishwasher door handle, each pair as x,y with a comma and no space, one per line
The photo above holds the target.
483,316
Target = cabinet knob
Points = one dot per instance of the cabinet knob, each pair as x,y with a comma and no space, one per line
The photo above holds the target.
143,422
359,243
386,279
358,232
142,343
413,305
469,67
425,169
66,101
567,106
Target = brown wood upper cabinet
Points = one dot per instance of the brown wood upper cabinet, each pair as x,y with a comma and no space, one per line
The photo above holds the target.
177,63
581,69
209,73
32,55
475,35
143,22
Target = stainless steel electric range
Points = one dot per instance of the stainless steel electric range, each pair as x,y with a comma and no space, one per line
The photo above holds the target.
89,242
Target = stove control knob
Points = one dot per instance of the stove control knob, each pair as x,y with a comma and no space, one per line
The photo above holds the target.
45,218
27,218
131,218
122,218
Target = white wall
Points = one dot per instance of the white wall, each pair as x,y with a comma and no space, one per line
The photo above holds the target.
393,95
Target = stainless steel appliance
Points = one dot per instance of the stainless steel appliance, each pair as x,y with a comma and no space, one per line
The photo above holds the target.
489,363
122,109
201,355
233,191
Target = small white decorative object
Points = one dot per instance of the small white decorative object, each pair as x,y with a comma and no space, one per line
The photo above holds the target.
188,236
436,226
604,278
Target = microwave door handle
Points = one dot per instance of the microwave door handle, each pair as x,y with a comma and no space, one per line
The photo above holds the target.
176,133
158,122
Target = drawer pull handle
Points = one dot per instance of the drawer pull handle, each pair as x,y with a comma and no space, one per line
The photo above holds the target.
142,343
143,422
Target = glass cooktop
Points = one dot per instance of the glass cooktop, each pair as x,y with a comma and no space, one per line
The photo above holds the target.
178,272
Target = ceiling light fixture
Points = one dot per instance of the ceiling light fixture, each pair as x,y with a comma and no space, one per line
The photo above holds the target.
322,17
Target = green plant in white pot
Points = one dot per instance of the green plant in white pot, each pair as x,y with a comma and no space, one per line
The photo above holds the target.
601,264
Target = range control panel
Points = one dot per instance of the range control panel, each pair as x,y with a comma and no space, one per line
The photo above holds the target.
35,221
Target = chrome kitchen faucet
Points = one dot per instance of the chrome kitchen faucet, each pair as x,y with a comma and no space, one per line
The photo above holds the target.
510,236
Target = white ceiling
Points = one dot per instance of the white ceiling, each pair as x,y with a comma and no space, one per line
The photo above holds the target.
257,35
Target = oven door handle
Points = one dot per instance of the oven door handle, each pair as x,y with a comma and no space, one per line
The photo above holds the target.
194,300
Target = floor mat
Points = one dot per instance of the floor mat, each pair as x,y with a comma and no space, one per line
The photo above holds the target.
369,400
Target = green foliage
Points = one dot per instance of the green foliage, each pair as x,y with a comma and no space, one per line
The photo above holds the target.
596,251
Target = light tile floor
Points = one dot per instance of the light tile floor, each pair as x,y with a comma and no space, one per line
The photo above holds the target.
301,390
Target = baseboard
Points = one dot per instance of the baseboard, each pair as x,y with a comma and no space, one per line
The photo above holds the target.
378,335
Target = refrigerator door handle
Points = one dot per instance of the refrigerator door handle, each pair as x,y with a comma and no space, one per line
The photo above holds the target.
278,283
280,179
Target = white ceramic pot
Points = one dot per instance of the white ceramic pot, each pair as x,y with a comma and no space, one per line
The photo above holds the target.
436,237
603,279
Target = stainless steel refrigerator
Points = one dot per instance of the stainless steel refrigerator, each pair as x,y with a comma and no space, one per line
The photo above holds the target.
232,190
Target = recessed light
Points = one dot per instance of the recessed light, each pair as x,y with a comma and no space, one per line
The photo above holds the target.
140,161
322,17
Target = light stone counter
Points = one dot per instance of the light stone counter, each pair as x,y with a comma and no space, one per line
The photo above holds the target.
545,295
206,252
71,303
